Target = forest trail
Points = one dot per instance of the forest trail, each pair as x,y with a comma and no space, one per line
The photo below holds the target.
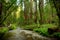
20,34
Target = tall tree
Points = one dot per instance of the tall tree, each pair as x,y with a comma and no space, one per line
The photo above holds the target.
35,11
57,6
41,11
26,11
31,10
0,12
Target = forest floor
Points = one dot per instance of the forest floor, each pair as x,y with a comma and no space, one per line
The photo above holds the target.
20,34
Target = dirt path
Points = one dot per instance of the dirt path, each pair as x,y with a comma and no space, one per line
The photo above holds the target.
20,34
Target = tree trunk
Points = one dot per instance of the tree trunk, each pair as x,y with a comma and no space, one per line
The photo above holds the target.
35,12
31,11
41,11
57,6
26,11
0,13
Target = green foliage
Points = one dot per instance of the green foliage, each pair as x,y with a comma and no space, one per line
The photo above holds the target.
3,30
21,20
13,26
43,30
50,14
30,27
48,25
56,34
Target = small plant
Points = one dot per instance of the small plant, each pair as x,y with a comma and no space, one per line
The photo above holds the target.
13,26
3,30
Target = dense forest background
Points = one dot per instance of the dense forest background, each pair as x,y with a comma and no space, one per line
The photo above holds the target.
41,16
25,12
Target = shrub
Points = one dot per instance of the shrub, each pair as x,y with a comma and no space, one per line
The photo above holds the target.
3,30
56,34
30,27
13,26
43,30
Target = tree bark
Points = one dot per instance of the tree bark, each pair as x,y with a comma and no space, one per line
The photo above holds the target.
35,12
0,13
31,11
41,11
26,11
